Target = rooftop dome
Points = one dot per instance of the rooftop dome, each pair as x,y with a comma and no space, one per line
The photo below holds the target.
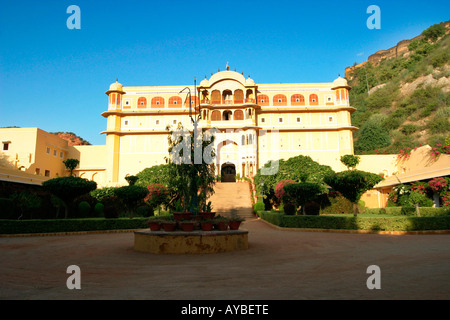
116,86
204,82
340,82
249,81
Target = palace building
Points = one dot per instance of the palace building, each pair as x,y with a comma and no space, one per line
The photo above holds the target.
255,122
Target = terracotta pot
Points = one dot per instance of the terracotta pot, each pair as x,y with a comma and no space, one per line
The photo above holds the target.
182,216
221,226
154,226
207,215
234,225
169,226
187,226
206,226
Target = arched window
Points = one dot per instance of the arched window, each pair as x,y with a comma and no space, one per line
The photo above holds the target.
142,102
238,115
238,96
263,100
215,97
297,100
313,100
279,100
243,140
193,101
216,116
226,115
118,99
175,102
158,102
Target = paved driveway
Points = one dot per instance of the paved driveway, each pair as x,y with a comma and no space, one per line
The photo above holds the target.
278,265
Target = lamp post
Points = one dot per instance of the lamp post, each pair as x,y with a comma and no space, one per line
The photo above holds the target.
195,118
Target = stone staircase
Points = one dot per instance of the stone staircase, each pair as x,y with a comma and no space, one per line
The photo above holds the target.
232,197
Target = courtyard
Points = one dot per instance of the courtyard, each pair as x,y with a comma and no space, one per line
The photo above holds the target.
278,265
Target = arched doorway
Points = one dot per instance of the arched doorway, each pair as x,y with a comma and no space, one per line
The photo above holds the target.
228,172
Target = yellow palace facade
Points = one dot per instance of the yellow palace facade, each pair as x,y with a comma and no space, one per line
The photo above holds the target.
255,123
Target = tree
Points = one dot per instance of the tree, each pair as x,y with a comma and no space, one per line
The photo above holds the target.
131,180
193,182
68,188
71,164
301,193
350,161
352,184
156,174
298,169
131,196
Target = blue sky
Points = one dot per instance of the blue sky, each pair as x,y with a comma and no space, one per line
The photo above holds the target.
55,78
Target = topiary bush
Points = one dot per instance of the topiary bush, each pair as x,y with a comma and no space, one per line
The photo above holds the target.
84,209
99,209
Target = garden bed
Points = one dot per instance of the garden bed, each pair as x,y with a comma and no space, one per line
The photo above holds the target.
367,222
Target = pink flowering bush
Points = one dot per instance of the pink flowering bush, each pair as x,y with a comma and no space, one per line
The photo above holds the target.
438,184
157,194
279,191
439,149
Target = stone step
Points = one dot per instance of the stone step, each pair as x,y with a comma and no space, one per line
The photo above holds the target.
232,198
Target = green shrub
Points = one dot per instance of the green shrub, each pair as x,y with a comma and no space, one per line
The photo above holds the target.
98,209
144,211
259,206
70,225
99,194
394,223
7,209
84,209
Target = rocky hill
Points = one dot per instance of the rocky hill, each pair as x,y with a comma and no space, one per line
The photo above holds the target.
72,138
402,95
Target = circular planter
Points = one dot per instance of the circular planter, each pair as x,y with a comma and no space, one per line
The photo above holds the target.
206,226
169,226
187,226
154,226
234,225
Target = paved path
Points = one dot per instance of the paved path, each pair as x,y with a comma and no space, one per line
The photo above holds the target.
279,265
232,197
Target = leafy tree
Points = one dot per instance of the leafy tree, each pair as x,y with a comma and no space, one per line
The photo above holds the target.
71,164
69,188
131,196
193,182
352,184
156,174
350,161
131,180
298,169
301,193
26,201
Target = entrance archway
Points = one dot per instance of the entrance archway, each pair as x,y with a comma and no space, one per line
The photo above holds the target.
228,172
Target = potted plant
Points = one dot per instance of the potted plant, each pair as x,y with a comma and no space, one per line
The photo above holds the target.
154,224
187,225
168,223
206,211
235,221
207,224
179,213
221,223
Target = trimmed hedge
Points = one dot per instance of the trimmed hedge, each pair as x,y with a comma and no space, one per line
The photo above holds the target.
409,211
349,222
70,225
